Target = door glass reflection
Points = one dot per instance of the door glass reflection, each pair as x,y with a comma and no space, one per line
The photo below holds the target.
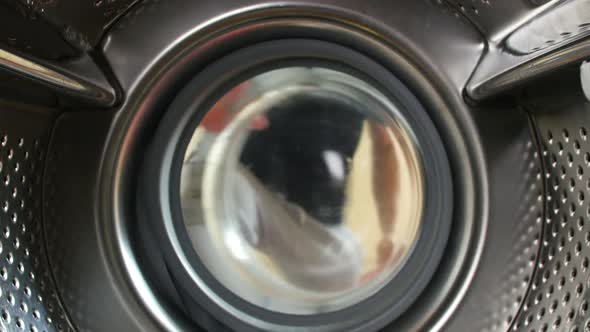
302,191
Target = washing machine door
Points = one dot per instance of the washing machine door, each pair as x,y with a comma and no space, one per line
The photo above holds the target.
295,166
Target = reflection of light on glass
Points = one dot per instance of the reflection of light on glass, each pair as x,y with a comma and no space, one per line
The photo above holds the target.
335,164
234,243
585,78
311,186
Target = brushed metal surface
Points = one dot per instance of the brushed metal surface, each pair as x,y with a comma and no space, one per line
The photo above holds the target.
25,33
74,27
504,239
29,300
82,267
80,78
148,67
490,80
504,276
496,19
558,300
545,38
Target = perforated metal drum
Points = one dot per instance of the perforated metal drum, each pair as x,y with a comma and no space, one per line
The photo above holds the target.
295,166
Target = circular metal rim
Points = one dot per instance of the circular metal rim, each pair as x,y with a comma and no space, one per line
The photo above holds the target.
141,108
167,151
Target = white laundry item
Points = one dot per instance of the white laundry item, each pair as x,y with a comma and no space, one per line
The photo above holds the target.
310,254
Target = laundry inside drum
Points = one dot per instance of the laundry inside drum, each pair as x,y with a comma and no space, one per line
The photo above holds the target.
302,190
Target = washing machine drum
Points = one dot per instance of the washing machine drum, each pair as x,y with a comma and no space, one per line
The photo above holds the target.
309,166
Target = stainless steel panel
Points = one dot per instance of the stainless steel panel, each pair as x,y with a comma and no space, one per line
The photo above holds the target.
29,300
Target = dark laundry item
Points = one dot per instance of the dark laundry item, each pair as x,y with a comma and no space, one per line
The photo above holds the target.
290,156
